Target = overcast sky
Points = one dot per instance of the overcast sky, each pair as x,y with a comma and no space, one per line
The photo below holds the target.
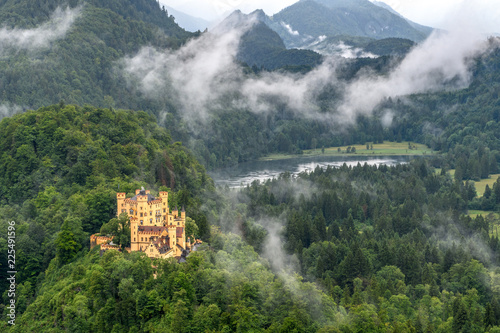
483,14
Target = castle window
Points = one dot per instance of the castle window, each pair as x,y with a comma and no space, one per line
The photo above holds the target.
142,222
150,213
131,212
141,214
164,210
151,220
177,223
134,239
142,239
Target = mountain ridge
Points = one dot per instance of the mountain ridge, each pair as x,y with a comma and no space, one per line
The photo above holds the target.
307,20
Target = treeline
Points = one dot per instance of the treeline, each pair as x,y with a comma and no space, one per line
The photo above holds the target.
60,169
227,289
389,244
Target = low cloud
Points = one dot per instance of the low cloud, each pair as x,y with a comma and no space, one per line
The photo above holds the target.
203,77
339,49
42,36
289,29
8,110
195,76
441,62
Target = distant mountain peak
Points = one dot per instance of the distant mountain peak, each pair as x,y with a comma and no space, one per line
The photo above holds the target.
188,22
306,21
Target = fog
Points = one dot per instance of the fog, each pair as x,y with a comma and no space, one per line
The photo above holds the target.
42,36
204,76
8,110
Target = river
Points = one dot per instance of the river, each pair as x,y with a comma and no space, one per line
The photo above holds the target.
245,173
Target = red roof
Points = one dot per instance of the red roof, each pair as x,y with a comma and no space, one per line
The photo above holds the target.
179,232
152,228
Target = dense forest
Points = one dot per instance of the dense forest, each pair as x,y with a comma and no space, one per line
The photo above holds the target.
390,245
61,167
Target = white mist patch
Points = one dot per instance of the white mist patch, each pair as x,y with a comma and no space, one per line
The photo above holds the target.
387,118
8,110
289,29
42,36
280,261
441,62
196,75
347,51
298,91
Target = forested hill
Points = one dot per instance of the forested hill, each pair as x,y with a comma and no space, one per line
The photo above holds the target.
60,169
78,66
30,13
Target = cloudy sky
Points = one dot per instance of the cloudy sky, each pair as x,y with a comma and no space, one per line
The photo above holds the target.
484,14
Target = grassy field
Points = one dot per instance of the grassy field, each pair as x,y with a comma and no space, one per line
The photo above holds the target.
481,185
494,219
385,149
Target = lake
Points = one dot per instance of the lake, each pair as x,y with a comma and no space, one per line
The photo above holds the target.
245,173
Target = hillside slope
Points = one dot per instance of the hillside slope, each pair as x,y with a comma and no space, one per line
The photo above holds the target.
61,166
79,66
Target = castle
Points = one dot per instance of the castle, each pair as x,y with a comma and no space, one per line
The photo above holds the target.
154,230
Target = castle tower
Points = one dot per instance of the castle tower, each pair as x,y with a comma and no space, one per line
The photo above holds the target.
172,238
120,203
183,217
164,209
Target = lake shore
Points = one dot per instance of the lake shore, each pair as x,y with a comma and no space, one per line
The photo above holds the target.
382,149
245,173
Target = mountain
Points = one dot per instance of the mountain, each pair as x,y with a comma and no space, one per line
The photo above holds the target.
310,21
79,66
261,47
188,22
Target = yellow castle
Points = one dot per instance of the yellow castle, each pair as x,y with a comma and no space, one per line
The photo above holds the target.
154,230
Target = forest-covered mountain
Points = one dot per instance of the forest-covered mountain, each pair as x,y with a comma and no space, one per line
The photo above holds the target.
79,66
85,65
263,48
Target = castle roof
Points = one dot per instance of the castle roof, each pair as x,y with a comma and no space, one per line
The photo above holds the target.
143,192
151,228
